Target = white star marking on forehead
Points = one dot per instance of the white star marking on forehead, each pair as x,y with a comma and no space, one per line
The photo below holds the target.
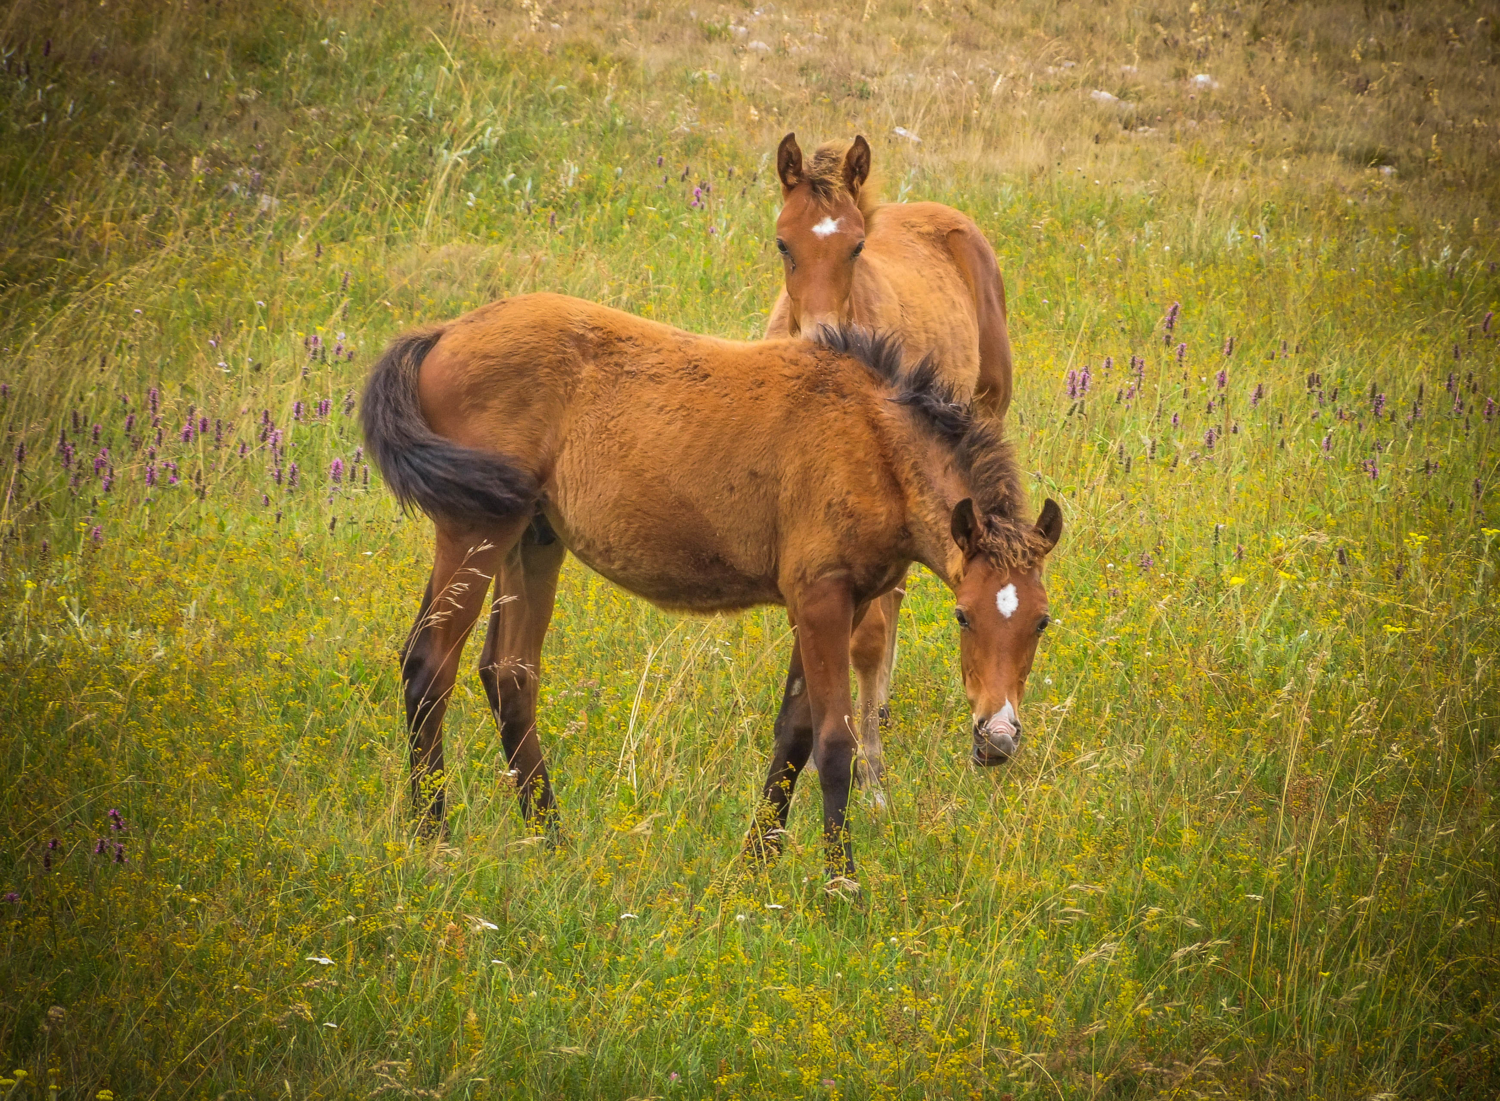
1007,601
826,226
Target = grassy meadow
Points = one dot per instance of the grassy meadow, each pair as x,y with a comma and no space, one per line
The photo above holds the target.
1249,848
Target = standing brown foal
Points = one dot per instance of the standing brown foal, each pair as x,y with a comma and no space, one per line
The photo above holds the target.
704,475
922,272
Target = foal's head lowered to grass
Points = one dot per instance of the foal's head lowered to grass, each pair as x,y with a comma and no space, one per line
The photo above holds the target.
1001,601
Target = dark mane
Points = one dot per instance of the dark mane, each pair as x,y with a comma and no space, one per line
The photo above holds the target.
985,457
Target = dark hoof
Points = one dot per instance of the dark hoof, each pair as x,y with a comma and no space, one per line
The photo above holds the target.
762,848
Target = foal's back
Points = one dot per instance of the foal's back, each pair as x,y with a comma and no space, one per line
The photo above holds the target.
728,461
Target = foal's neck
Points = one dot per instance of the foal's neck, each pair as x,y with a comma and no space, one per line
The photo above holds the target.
933,485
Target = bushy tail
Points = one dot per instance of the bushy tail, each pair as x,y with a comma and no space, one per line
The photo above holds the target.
443,479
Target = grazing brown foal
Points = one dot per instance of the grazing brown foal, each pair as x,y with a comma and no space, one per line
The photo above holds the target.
922,272
704,475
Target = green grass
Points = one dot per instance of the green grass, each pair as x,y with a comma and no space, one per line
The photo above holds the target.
1249,848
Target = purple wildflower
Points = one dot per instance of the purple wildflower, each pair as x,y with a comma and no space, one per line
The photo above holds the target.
4,389
1176,420
97,535
1478,489
1239,552
150,474
1255,398
95,435
1489,409
1379,403
344,285
1109,362
1228,347
359,453
1171,323
1222,378
336,471
116,819
348,403
1208,439
296,410
1072,383
187,432
129,421
1327,444
1147,562
291,476
1181,353
153,399
12,897
1084,379
20,453
101,847
119,852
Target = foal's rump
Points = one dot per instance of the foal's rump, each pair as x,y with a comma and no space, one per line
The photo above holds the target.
424,469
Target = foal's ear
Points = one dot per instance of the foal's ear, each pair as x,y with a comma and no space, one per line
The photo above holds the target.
857,165
1049,523
966,527
789,162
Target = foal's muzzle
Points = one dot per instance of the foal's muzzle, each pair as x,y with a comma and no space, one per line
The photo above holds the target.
996,738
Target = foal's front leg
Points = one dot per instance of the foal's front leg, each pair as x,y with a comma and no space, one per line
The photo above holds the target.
794,743
825,618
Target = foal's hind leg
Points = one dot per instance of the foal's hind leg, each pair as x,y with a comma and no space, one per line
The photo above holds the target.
463,563
794,743
510,666
872,651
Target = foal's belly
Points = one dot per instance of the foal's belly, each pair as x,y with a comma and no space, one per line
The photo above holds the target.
680,564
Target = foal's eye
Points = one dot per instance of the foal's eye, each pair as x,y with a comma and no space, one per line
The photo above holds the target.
859,248
963,620
781,247
1042,626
